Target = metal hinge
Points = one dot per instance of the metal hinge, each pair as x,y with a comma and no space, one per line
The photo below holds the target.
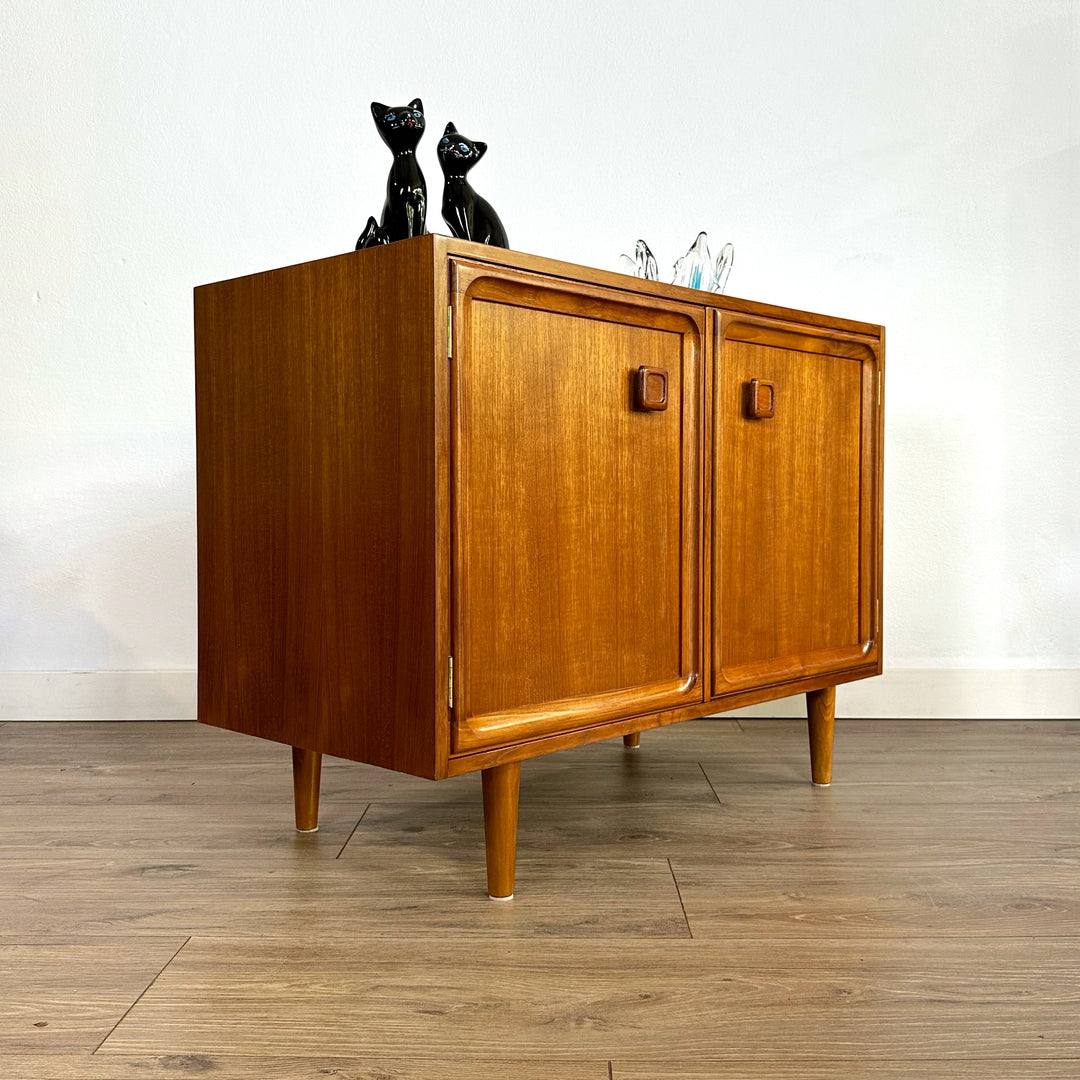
450,680
449,331
878,376
877,617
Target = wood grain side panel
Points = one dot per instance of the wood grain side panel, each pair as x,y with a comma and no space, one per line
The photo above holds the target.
316,480
577,513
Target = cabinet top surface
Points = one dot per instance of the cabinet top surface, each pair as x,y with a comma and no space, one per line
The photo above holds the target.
439,248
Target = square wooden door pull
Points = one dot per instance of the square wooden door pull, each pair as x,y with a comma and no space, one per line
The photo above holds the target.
762,399
650,389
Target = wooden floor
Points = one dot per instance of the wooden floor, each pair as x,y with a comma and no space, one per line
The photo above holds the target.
693,910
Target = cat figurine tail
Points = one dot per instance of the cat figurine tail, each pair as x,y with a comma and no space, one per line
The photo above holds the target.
405,210
372,236
470,216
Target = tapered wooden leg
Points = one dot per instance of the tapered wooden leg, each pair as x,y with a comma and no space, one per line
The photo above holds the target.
633,740
306,772
821,714
500,827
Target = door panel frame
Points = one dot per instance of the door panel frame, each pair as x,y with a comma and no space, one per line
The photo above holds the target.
800,337
471,281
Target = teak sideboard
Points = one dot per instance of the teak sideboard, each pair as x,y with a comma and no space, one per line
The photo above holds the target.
460,506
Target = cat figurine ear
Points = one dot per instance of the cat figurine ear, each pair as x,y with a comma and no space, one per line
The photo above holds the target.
470,216
405,209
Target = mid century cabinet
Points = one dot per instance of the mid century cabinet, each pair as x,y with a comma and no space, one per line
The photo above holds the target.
459,507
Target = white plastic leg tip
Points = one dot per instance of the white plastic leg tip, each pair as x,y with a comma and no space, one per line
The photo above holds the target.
632,746
316,829
816,784
510,897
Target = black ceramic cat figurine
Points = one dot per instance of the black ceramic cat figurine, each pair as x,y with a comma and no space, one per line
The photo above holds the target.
469,216
372,236
405,210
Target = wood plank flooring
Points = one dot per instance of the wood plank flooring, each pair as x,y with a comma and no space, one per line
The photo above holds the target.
693,910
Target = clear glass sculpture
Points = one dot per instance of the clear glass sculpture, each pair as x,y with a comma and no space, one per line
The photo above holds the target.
723,267
695,270
643,265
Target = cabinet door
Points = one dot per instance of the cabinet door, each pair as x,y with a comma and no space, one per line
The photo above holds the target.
796,507
576,538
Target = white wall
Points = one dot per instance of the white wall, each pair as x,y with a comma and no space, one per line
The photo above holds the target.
914,162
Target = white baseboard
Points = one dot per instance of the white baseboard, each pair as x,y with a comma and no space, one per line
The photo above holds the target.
949,694
920,693
97,695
